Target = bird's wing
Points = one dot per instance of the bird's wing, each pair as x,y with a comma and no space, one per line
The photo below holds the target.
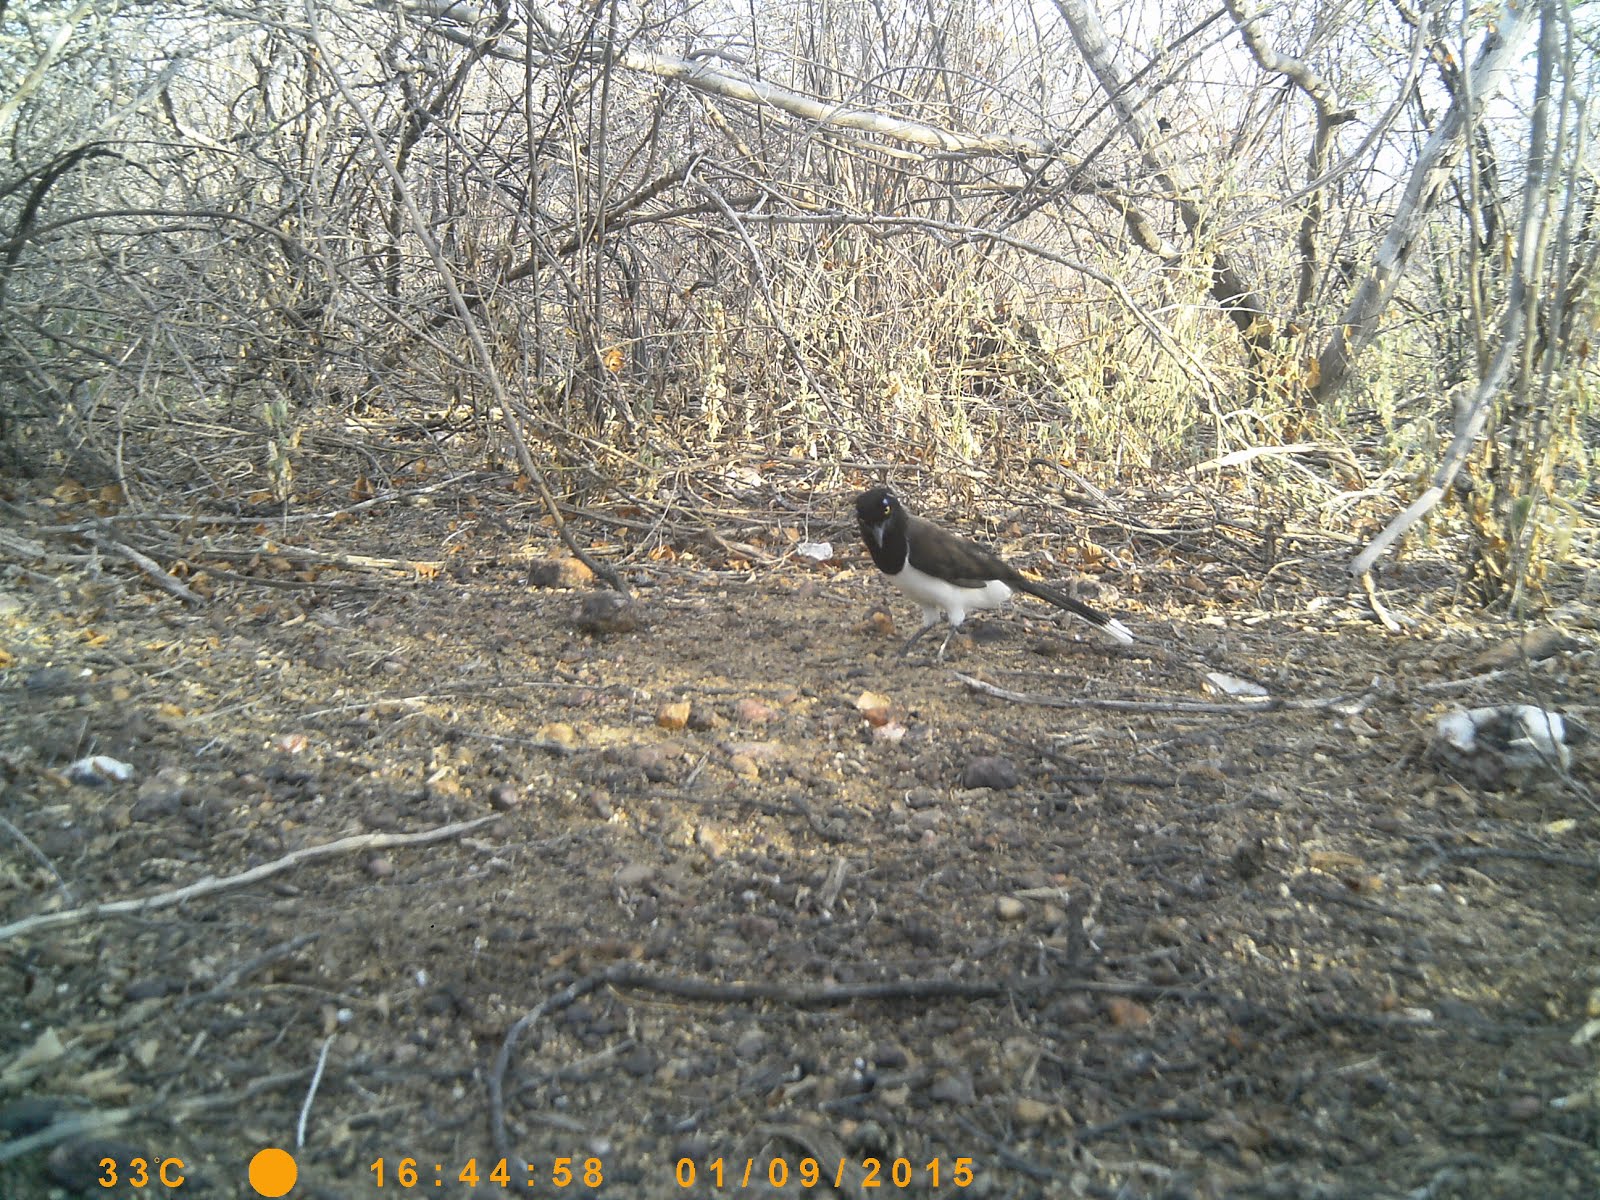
936,551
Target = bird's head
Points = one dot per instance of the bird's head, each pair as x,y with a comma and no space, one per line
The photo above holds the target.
876,510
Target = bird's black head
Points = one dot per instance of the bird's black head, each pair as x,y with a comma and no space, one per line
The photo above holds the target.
883,527
875,506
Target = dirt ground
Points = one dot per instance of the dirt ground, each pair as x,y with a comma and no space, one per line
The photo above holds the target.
728,900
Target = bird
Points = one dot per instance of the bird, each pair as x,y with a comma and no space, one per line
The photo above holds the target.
946,573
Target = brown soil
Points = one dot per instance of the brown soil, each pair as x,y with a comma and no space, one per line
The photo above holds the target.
1192,952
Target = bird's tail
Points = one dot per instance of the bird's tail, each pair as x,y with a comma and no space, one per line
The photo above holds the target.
1077,607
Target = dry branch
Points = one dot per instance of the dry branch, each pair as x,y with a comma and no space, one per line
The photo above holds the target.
210,884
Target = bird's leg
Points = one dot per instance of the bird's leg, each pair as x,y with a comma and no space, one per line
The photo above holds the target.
930,618
911,641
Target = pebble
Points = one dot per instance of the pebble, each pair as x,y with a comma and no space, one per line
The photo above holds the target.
674,715
1029,1111
1127,1014
887,1056
503,797
558,573
654,762
1524,1108
605,613
991,771
750,711
954,1088
1009,908
641,1062
634,874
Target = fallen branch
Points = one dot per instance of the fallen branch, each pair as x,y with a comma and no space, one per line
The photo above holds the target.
1371,589
157,573
1244,709
210,884
1147,706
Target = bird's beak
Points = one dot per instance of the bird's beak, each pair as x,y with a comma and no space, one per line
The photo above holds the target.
877,533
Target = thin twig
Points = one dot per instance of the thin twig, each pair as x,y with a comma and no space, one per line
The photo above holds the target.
1245,709
1370,587
44,859
204,887
157,573
231,978
311,1093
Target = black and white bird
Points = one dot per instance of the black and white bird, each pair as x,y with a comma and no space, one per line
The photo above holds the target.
948,574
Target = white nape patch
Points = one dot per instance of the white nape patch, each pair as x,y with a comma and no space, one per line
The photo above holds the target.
936,596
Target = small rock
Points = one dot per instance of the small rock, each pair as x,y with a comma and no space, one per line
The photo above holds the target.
887,1056
1249,856
633,875
702,716
380,867
558,573
922,797
1029,1111
1127,1014
558,732
991,771
152,987
877,622
641,1062
503,797
599,801
1166,931
602,614
1075,1009
744,767
654,761
712,842
1009,908
954,1088
751,1043
674,715
1524,1108
750,711
877,709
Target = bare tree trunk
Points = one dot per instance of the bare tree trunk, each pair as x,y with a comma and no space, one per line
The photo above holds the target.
1473,416
1131,103
1440,153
